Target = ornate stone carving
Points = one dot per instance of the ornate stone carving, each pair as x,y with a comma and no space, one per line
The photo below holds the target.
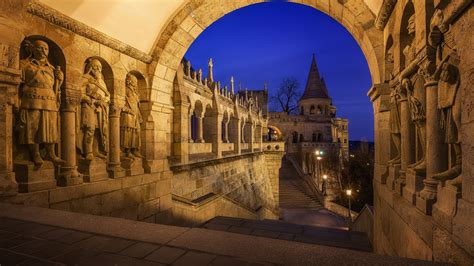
384,13
43,11
416,95
130,120
39,92
93,115
449,102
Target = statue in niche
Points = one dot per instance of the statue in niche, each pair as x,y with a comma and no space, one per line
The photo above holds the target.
39,99
409,52
449,102
93,117
395,124
417,101
130,120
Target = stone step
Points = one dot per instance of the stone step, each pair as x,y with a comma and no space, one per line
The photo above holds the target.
334,237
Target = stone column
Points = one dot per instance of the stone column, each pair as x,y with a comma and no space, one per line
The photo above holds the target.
217,135
199,135
436,152
68,174
251,137
260,138
9,81
236,133
226,128
242,132
190,127
114,168
406,146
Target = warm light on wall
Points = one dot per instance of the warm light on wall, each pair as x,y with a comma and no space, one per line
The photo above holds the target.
349,192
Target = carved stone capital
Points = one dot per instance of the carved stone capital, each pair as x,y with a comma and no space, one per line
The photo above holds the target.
115,109
384,13
70,99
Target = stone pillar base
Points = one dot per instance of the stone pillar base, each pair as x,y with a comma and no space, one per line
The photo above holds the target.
393,174
414,184
116,171
427,197
31,179
93,171
70,177
8,186
132,166
399,185
446,206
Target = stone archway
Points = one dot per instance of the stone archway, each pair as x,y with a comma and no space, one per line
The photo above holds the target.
195,16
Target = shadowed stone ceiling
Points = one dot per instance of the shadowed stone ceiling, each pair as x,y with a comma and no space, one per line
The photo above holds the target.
134,22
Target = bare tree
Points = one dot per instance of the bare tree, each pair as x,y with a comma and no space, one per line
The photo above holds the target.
286,97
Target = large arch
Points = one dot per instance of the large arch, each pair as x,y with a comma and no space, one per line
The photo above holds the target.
194,16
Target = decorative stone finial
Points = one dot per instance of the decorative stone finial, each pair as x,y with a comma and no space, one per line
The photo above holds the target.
210,74
232,85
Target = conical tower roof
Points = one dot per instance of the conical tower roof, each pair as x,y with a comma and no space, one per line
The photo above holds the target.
315,85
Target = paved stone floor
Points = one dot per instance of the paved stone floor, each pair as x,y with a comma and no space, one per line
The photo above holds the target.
27,243
39,236
334,237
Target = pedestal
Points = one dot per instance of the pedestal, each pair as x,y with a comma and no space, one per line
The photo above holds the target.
132,166
446,205
31,179
93,171
413,184
8,185
393,174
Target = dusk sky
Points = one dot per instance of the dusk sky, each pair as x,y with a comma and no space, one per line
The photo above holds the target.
271,41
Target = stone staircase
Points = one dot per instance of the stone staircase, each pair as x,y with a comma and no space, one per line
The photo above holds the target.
293,190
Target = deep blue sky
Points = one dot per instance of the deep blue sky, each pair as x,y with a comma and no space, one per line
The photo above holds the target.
271,41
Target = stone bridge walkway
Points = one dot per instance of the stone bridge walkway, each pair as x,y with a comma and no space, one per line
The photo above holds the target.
38,236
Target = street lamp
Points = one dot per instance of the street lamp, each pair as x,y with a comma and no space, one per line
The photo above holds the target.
325,177
349,193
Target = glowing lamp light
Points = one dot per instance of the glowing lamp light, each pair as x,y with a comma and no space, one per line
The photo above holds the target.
325,177
349,192
317,152
319,158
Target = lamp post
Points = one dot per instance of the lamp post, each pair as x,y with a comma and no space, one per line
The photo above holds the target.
349,193
325,177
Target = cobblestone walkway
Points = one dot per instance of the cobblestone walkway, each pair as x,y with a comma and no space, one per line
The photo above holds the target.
27,243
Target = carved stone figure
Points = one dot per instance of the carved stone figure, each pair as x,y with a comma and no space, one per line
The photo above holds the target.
449,102
417,101
409,51
130,120
39,103
94,113
395,124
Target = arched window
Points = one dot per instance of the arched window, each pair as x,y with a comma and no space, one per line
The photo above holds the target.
301,138
311,110
302,110
314,137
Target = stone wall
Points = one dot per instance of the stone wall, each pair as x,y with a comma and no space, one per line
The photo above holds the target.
250,179
144,197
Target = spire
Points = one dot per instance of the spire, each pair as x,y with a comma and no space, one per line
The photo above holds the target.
210,74
315,86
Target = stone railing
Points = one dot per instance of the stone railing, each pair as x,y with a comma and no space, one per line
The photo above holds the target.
197,148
